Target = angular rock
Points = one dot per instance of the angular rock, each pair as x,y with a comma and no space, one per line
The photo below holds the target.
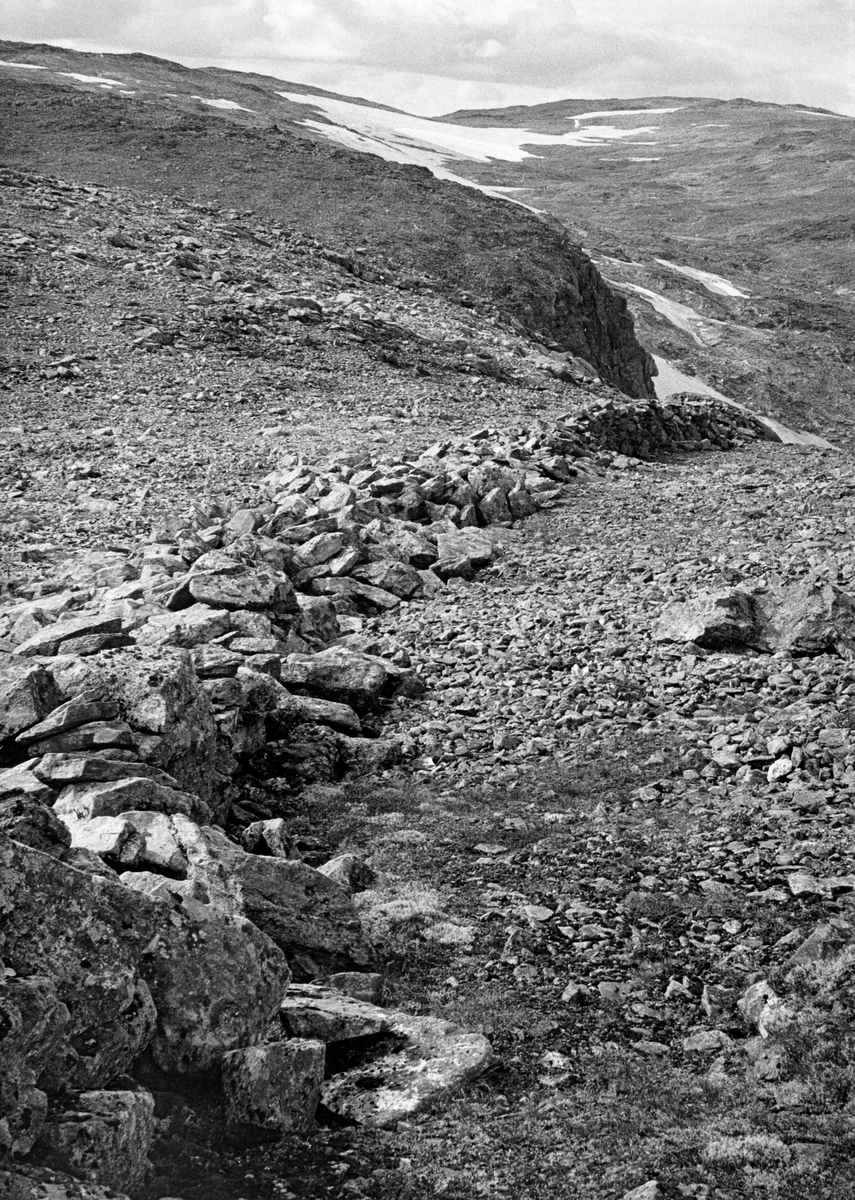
47,642
329,712
720,620
98,735
28,821
392,576
317,619
103,1135
365,595
806,617
86,935
28,694
318,549
350,871
83,801
269,837
338,674
82,710
187,628
311,918
275,1087
60,770
257,590
217,982
472,548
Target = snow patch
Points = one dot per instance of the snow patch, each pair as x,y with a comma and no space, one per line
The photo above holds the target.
713,283
92,79
399,137
23,66
621,112
681,316
224,104
671,380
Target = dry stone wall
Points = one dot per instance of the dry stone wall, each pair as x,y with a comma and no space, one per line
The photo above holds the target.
153,908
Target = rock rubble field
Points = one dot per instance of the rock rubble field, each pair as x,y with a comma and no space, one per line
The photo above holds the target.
441,782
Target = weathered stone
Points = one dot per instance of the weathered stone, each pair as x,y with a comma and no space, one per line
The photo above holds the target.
23,781
102,1135
257,589
317,620
269,837
217,982
806,617
338,674
392,576
82,710
63,769
86,935
318,549
413,1061
83,801
27,694
159,694
31,822
715,620
98,735
186,628
349,871
472,547
214,662
493,508
47,642
329,712
274,1087
308,916
365,596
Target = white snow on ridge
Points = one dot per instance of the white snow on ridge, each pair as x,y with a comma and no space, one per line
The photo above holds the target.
223,104
92,78
621,112
681,316
23,66
713,283
399,137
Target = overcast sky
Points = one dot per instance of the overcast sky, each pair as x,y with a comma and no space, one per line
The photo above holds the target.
432,56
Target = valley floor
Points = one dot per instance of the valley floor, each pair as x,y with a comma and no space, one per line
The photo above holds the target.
585,860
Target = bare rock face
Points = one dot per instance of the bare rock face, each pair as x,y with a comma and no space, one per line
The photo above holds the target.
410,1062
102,1135
275,1087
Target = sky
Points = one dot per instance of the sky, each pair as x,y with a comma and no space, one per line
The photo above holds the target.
436,56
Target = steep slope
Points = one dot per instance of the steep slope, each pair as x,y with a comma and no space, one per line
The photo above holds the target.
71,115
759,194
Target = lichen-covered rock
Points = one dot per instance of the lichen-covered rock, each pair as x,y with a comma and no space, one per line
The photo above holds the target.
83,801
275,1087
33,823
85,934
101,1135
338,674
720,620
217,982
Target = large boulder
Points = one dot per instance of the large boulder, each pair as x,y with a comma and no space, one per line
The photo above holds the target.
806,617
86,936
722,620
339,674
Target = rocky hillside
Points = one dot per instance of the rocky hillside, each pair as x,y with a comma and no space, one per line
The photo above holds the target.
424,769
367,209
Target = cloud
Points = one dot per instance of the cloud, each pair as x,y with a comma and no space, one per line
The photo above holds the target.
770,49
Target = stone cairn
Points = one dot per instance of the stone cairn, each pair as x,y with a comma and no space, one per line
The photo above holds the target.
142,700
